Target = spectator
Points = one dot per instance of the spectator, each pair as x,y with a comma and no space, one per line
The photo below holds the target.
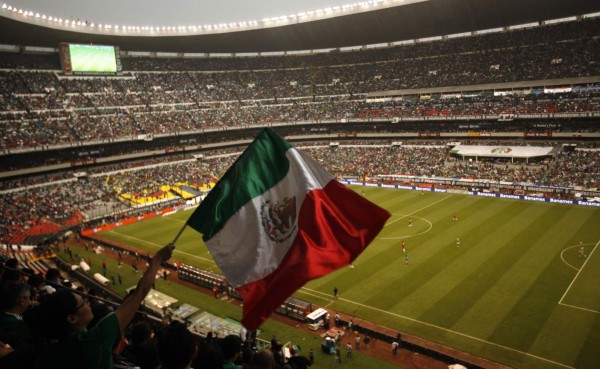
64,316
263,360
232,349
20,351
176,347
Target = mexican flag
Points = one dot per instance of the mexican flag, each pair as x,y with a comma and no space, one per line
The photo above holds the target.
277,219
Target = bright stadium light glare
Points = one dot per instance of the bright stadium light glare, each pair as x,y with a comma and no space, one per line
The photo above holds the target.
4,6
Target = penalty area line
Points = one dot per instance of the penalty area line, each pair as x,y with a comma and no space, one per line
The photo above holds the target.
560,302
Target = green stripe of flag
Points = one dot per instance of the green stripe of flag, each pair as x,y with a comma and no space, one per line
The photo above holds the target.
262,165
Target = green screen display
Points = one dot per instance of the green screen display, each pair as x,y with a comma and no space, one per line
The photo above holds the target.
93,58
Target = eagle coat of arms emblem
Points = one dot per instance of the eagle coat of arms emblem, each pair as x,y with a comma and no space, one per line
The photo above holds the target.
279,218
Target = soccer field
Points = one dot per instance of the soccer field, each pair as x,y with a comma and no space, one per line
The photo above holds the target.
516,291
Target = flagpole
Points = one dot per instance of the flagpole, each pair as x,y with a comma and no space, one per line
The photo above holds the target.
178,234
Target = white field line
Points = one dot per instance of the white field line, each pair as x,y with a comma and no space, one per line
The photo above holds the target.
434,326
563,258
579,308
174,219
560,302
412,235
156,244
416,211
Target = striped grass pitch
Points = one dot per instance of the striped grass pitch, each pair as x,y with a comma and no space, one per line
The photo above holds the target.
516,291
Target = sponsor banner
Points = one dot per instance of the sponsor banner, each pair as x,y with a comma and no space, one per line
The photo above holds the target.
535,198
538,134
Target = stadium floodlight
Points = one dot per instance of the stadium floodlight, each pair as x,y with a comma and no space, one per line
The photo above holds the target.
4,6
43,16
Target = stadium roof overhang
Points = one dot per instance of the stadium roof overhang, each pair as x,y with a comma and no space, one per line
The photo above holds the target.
397,23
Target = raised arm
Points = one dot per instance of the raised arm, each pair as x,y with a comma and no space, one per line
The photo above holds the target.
130,305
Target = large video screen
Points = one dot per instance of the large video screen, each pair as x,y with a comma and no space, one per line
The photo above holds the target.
92,59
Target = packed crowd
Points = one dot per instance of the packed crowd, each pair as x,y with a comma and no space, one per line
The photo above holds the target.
87,126
37,109
98,194
46,321
578,168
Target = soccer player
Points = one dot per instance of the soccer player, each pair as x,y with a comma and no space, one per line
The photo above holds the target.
403,247
410,223
457,242
582,250
405,259
454,217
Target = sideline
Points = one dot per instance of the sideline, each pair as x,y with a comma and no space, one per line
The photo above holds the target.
434,326
159,245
